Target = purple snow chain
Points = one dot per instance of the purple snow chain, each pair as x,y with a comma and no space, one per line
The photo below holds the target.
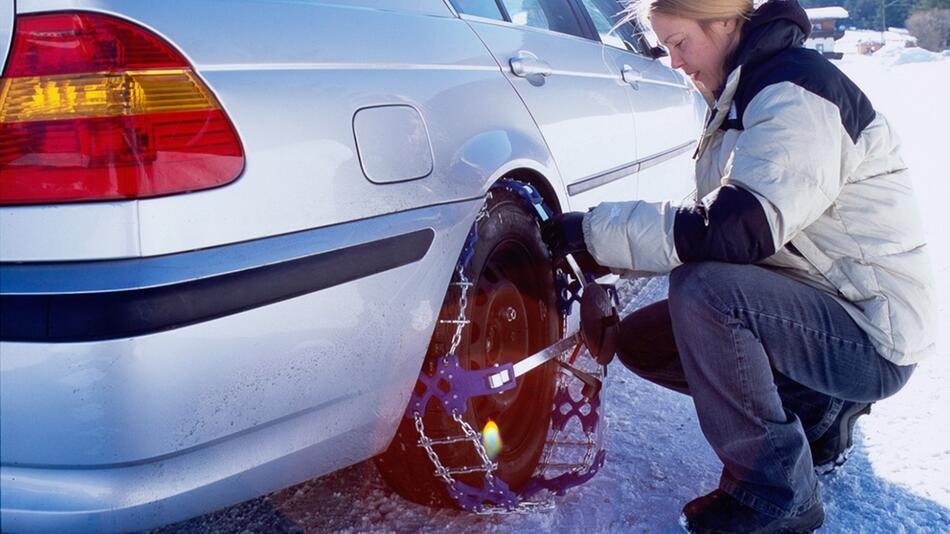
561,483
472,499
460,384
453,385
563,398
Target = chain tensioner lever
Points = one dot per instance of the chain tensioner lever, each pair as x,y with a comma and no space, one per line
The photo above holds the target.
592,384
599,325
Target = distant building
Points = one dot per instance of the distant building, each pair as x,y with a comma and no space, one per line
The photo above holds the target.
824,29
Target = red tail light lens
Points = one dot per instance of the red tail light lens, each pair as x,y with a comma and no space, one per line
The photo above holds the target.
96,108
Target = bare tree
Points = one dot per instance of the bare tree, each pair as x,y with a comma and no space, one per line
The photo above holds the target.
932,29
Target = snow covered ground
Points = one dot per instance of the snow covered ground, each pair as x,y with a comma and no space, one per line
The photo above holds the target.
898,479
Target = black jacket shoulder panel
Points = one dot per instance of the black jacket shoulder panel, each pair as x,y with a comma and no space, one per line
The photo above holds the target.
813,72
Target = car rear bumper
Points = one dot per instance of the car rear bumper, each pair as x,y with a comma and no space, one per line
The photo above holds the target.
162,388
166,490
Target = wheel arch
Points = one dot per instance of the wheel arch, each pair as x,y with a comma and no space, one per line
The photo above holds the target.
511,152
539,182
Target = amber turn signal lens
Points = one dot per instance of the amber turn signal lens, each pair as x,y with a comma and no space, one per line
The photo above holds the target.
45,98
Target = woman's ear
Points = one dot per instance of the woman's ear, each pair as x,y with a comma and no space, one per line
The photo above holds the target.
726,27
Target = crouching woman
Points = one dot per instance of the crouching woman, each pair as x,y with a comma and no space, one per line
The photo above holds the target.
800,288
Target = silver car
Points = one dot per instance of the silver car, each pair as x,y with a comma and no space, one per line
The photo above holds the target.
230,232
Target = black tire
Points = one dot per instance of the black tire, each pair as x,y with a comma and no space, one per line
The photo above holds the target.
511,271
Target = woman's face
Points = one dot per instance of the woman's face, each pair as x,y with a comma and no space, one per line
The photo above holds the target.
699,52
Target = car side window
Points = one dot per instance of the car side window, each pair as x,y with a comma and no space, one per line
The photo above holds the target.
479,8
554,15
606,14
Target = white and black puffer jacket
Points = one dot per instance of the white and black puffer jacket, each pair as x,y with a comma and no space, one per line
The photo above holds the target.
795,171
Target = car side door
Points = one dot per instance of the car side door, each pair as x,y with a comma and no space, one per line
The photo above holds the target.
667,109
555,61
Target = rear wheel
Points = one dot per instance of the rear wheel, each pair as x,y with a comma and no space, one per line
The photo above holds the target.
513,313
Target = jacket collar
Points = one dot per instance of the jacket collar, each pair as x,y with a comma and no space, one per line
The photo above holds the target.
719,111
775,26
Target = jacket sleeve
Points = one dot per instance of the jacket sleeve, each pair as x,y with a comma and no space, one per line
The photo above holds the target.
783,173
793,156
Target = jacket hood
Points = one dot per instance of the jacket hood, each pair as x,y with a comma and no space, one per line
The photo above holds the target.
775,26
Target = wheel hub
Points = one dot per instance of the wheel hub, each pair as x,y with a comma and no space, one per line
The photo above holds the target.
506,337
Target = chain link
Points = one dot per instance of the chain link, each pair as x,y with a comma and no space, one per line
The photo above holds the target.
464,285
479,447
424,442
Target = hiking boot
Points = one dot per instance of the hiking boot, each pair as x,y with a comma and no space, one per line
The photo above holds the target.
832,449
720,513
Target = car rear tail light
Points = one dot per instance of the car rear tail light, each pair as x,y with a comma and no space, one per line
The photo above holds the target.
93,108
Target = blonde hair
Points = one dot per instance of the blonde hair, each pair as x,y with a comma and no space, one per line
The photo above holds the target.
702,11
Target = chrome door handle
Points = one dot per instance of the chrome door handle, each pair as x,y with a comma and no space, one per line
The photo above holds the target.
631,76
525,66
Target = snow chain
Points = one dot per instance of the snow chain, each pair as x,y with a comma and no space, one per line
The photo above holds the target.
558,469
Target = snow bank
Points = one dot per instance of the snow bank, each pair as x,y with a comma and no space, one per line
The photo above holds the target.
896,54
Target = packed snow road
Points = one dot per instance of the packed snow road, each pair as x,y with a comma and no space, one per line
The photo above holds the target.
897,480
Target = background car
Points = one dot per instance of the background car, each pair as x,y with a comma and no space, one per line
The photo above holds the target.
230,232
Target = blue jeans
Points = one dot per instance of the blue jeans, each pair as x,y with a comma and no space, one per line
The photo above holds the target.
769,363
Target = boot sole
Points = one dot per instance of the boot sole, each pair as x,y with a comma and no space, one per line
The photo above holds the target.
806,524
829,467
845,427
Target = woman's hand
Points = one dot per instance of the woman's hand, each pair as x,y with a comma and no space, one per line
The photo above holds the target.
564,234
